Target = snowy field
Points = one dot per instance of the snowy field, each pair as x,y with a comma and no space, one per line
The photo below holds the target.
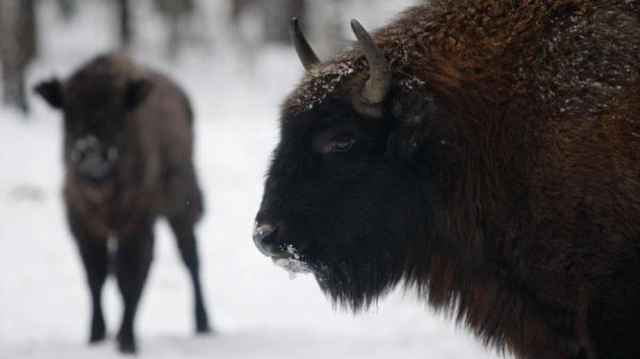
256,309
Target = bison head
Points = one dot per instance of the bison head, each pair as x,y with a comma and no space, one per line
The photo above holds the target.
95,102
348,191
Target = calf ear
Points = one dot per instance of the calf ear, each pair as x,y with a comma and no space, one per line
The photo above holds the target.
136,92
51,91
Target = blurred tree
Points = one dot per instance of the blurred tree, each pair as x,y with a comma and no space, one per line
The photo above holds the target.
67,8
326,27
124,15
17,48
278,13
28,28
276,16
238,7
177,13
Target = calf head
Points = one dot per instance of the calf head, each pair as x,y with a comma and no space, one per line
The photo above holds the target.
95,103
347,190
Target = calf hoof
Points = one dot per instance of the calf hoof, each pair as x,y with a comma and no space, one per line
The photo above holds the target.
98,334
202,325
127,344
97,337
127,347
203,329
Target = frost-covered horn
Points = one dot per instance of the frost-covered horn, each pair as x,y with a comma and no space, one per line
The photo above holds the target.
306,54
377,86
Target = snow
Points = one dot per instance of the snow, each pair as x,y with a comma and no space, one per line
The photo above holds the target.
293,264
257,312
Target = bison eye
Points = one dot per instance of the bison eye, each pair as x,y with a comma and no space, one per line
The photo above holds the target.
342,144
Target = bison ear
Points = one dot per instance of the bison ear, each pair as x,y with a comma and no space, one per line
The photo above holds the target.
135,93
51,91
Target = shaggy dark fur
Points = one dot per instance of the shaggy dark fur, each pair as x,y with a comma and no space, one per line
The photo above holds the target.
501,176
127,151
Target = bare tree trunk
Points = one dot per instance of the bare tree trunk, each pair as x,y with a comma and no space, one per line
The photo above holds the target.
238,7
124,14
326,27
297,8
175,13
29,29
278,15
67,8
17,48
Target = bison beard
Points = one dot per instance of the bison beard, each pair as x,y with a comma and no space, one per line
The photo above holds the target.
485,152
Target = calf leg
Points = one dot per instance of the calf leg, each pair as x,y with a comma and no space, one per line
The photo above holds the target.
133,260
183,230
95,258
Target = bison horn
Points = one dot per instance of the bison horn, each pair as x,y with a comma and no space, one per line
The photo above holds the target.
304,50
377,86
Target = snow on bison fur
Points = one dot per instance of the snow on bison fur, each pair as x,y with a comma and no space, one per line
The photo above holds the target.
485,152
128,145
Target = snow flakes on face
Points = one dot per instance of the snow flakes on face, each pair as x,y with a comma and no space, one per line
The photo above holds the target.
413,83
294,265
319,83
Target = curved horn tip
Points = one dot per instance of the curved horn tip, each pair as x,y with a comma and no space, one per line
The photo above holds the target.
377,87
306,54
356,25
361,33
294,25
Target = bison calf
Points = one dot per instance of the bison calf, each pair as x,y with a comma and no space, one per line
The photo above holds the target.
128,143
486,152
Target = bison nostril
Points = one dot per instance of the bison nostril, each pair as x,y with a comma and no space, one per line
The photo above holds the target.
264,235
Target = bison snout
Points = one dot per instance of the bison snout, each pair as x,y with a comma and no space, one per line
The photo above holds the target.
264,237
94,160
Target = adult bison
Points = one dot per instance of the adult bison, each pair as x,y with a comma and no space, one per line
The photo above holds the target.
128,145
485,152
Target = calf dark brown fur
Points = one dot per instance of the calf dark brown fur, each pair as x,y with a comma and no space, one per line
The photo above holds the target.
128,158
485,152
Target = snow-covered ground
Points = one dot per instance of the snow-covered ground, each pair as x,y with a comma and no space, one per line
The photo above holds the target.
257,311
